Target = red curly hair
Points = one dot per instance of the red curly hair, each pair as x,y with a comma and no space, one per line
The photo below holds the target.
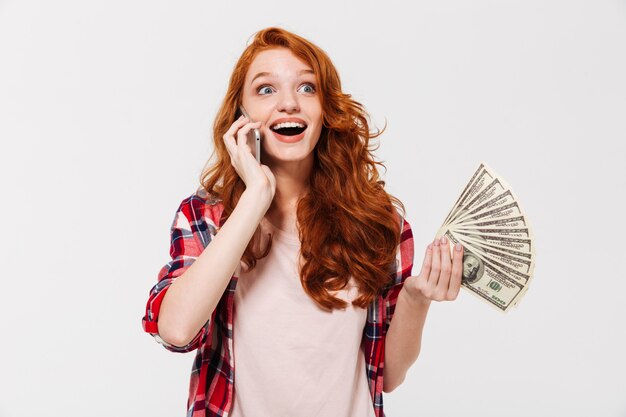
348,224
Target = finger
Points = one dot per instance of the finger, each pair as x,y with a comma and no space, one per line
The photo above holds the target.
446,267
246,127
236,126
435,269
427,262
457,272
231,146
242,136
229,136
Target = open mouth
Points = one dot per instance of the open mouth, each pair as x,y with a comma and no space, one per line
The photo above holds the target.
289,129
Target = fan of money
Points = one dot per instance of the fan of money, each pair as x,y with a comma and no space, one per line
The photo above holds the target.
498,257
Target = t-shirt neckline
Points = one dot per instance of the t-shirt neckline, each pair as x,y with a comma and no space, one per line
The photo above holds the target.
291,238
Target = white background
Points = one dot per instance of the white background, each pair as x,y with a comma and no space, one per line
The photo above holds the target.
105,117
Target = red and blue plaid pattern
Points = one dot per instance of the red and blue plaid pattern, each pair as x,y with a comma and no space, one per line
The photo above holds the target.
211,386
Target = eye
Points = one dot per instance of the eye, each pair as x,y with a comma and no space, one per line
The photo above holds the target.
308,88
264,90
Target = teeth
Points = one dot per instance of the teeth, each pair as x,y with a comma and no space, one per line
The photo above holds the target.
287,124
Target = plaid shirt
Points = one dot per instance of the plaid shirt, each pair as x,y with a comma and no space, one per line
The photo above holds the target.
211,387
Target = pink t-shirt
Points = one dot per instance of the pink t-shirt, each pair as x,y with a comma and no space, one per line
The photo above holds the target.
292,358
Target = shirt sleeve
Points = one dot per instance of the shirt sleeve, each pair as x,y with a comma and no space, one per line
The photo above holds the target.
404,267
190,232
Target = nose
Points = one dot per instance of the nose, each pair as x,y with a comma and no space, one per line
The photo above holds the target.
288,102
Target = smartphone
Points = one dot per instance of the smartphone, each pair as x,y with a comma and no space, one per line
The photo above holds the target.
254,137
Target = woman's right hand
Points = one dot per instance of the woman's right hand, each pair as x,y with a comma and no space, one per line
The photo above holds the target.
256,176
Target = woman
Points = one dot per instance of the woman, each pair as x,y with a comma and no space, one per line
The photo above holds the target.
292,277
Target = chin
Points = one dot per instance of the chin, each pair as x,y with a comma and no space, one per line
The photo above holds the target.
291,155
289,158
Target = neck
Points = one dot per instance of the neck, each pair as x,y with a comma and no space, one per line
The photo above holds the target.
292,183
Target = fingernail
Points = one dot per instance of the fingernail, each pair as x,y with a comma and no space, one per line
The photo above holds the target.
443,240
458,247
436,242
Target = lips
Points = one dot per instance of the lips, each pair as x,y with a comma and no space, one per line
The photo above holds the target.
288,129
289,138
288,120
288,126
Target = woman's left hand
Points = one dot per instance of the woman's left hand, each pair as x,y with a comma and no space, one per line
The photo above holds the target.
440,277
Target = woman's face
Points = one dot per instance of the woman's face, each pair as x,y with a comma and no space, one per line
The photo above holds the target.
280,91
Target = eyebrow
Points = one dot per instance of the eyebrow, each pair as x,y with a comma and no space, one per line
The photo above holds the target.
266,74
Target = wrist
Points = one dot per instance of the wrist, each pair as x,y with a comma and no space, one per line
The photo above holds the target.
261,197
414,297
